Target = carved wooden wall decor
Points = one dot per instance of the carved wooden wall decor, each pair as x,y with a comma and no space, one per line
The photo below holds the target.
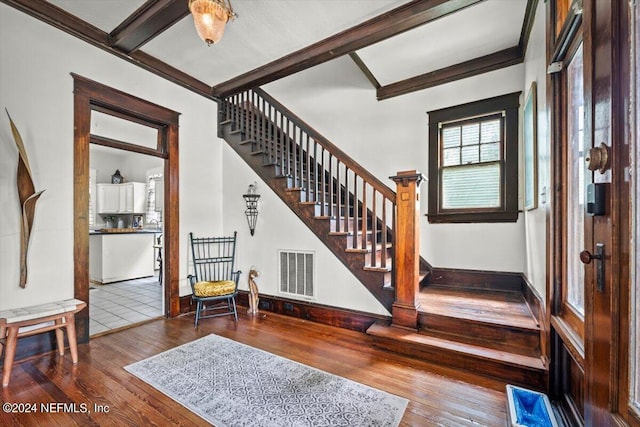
28,198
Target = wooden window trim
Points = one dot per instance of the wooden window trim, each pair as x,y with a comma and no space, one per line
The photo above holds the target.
508,212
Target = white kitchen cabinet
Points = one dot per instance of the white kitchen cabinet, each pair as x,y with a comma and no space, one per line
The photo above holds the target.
120,256
108,198
130,197
139,198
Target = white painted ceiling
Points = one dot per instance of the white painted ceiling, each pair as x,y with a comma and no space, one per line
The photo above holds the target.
267,30
473,32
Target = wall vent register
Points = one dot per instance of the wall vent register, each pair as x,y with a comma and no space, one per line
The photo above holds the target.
297,273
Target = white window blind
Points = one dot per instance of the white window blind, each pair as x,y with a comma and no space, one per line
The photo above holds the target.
92,196
153,212
471,163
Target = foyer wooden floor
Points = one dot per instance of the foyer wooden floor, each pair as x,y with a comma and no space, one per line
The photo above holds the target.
438,396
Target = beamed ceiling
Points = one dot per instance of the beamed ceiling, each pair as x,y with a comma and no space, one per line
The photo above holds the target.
401,46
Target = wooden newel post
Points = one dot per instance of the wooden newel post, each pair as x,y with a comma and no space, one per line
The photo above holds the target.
406,262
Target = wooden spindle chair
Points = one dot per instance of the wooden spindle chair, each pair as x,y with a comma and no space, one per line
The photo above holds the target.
214,282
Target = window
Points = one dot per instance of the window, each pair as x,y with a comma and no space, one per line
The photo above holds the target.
577,177
473,161
154,210
92,197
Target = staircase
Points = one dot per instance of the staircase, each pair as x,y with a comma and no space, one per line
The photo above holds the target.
348,208
461,320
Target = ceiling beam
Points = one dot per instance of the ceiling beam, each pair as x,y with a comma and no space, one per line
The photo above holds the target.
527,25
473,67
62,20
396,21
150,20
365,70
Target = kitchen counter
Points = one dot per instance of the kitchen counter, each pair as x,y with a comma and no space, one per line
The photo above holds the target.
125,231
122,255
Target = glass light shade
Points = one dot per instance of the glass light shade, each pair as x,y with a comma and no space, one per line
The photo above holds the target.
210,18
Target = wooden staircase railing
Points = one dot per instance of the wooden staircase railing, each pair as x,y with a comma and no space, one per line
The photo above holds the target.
360,209
359,204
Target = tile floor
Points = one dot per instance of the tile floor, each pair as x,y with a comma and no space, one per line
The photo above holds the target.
119,304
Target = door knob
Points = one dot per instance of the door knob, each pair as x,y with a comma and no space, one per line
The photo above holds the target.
586,257
598,158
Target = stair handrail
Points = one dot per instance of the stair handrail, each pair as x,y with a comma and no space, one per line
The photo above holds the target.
330,147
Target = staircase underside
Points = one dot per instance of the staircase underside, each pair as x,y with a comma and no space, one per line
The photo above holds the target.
376,280
486,331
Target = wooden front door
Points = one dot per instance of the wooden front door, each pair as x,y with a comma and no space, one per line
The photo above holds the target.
589,98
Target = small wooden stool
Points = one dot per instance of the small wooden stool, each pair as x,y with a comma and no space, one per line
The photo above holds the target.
62,313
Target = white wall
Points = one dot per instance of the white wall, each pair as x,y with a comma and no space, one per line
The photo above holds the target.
535,220
392,135
37,89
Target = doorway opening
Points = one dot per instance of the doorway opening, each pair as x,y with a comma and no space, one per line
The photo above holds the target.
125,236
92,98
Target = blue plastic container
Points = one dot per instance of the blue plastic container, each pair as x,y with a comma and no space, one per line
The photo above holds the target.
528,408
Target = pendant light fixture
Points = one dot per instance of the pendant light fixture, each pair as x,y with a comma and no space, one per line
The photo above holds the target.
210,18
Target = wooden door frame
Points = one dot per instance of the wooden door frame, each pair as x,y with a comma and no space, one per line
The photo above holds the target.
90,95
598,373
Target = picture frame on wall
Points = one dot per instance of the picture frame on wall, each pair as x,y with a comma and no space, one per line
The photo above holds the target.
530,138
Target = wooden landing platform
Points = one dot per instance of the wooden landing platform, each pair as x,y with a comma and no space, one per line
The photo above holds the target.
486,331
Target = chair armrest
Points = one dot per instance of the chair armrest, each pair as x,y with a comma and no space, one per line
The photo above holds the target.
235,275
192,282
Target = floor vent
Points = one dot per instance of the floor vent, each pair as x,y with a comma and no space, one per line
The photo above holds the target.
297,273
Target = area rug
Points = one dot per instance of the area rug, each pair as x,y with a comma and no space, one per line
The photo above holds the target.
231,384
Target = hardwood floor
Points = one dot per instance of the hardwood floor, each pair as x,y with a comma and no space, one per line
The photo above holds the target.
438,396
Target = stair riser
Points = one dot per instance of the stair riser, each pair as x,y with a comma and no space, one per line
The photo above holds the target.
522,376
509,338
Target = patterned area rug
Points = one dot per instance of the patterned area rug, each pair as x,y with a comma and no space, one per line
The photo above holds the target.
232,384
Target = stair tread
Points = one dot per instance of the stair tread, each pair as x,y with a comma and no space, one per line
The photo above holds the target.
481,306
368,248
378,269
379,329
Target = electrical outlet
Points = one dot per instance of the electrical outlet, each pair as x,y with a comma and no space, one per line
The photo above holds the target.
264,305
288,306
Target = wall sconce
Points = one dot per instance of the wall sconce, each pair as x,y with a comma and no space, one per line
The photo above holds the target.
251,198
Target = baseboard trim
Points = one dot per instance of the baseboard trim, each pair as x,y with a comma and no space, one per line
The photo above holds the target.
319,313
476,279
186,304
533,300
